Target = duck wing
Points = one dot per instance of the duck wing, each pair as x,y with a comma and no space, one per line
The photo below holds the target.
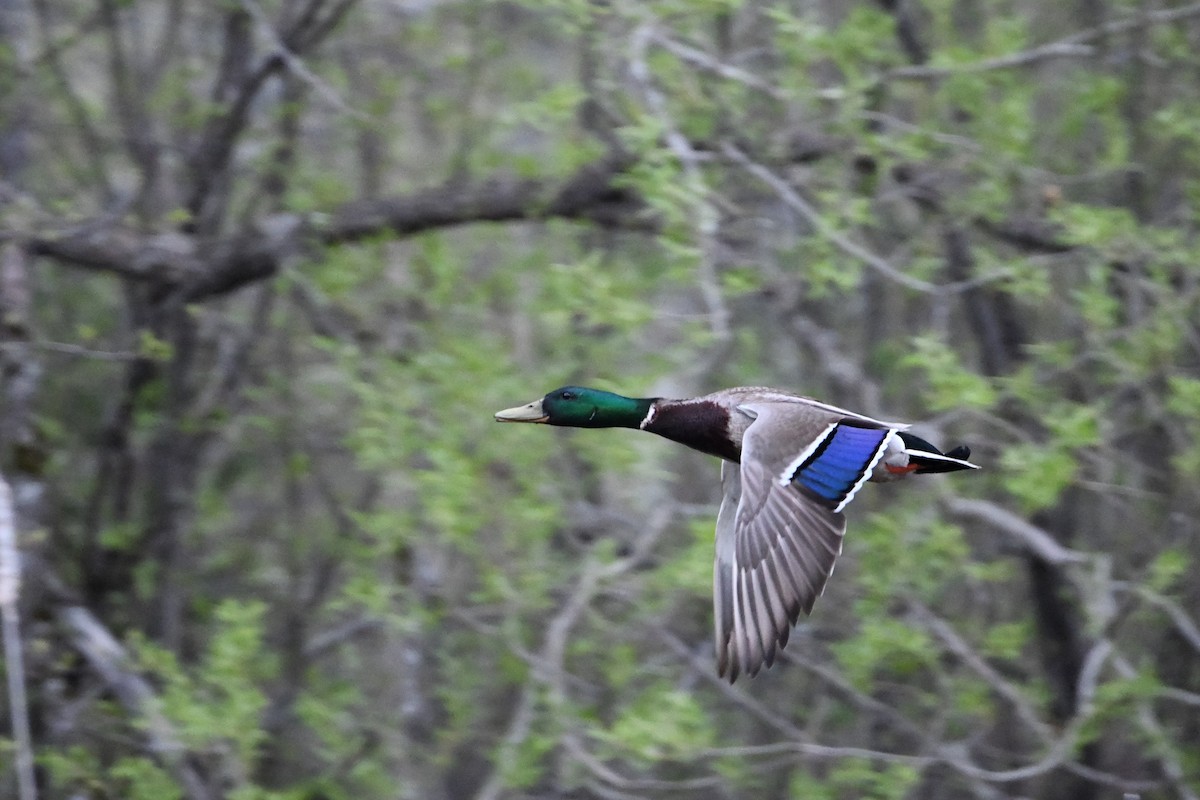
780,526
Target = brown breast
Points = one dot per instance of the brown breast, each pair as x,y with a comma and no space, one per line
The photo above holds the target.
700,424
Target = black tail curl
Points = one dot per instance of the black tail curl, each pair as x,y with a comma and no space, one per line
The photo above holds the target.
931,460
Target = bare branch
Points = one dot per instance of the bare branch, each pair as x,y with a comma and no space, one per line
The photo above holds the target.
548,667
295,64
707,220
1030,535
79,351
1077,44
588,194
1182,621
129,97
81,115
175,261
549,661
108,658
798,204
329,640
1062,49
954,755
1171,765
964,651
711,64
18,705
122,252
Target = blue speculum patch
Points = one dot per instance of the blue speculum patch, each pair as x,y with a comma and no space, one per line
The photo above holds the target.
839,462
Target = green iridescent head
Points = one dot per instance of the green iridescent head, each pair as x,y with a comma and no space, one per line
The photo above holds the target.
581,407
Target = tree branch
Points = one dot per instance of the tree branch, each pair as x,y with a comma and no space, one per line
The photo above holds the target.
590,193
973,660
1077,44
200,269
111,662
1034,538
10,583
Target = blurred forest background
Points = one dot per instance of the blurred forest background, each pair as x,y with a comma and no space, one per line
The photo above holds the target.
267,267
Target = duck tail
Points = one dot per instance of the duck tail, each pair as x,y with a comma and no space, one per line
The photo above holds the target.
924,458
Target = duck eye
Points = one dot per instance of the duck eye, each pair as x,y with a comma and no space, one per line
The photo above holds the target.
568,395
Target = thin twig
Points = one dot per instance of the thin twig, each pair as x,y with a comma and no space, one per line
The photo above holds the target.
794,201
954,755
1034,55
1077,44
10,584
707,221
296,65
1167,757
544,667
1036,539
973,660
698,58
112,663
66,348
1185,626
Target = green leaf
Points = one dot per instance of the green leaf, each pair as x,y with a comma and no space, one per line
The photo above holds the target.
950,383
1167,568
152,347
884,647
1007,640
142,779
861,778
1037,474
661,722
1074,424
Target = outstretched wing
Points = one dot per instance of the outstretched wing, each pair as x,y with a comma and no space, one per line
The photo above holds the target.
780,527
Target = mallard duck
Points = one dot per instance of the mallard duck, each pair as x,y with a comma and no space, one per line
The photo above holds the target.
790,466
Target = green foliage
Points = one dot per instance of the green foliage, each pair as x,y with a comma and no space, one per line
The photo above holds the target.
622,663
341,271
1037,473
591,294
856,778
152,347
660,723
1027,281
902,554
317,191
862,43
1091,103
825,270
337,715
141,779
661,181
524,765
971,700
76,769
885,647
1097,226
71,767
1167,568
1119,699
119,536
740,280
689,569
1183,400
949,382
220,702
346,471
1074,425
1007,640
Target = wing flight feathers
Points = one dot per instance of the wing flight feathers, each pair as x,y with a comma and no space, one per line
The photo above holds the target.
779,530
